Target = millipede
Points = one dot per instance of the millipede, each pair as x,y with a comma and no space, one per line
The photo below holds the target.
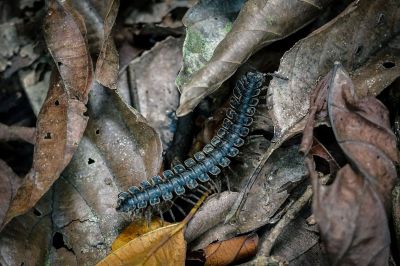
214,156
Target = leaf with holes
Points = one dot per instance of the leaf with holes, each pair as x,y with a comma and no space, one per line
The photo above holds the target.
119,149
259,23
61,121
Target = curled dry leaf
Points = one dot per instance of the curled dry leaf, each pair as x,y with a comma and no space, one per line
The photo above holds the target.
206,24
260,22
119,149
61,121
352,37
108,61
351,212
60,127
231,251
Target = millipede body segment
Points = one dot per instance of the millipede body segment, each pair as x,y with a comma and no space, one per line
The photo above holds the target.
208,161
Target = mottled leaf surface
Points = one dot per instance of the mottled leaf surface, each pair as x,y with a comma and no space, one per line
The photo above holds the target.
206,24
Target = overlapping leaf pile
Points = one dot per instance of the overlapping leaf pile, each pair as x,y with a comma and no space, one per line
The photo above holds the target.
129,93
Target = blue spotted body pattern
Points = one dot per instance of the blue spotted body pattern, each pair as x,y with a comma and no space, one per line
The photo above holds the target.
208,161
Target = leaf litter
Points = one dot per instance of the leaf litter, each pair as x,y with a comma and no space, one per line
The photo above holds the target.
98,145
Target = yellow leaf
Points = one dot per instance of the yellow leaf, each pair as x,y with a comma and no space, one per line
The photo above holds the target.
136,229
163,246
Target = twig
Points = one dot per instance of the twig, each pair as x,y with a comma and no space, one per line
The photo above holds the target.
10,133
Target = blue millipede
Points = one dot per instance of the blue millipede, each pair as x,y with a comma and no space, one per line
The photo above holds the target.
229,137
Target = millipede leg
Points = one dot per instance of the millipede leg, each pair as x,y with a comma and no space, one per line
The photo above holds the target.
201,186
188,200
179,208
172,215
148,217
161,216
194,197
228,184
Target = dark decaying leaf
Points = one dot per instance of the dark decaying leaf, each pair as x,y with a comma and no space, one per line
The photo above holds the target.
351,211
119,149
352,37
231,251
379,71
155,96
61,121
259,23
9,183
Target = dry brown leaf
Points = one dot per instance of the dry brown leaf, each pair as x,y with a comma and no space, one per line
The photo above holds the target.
351,212
61,121
108,61
136,229
259,23
232,250
362,129
60,126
